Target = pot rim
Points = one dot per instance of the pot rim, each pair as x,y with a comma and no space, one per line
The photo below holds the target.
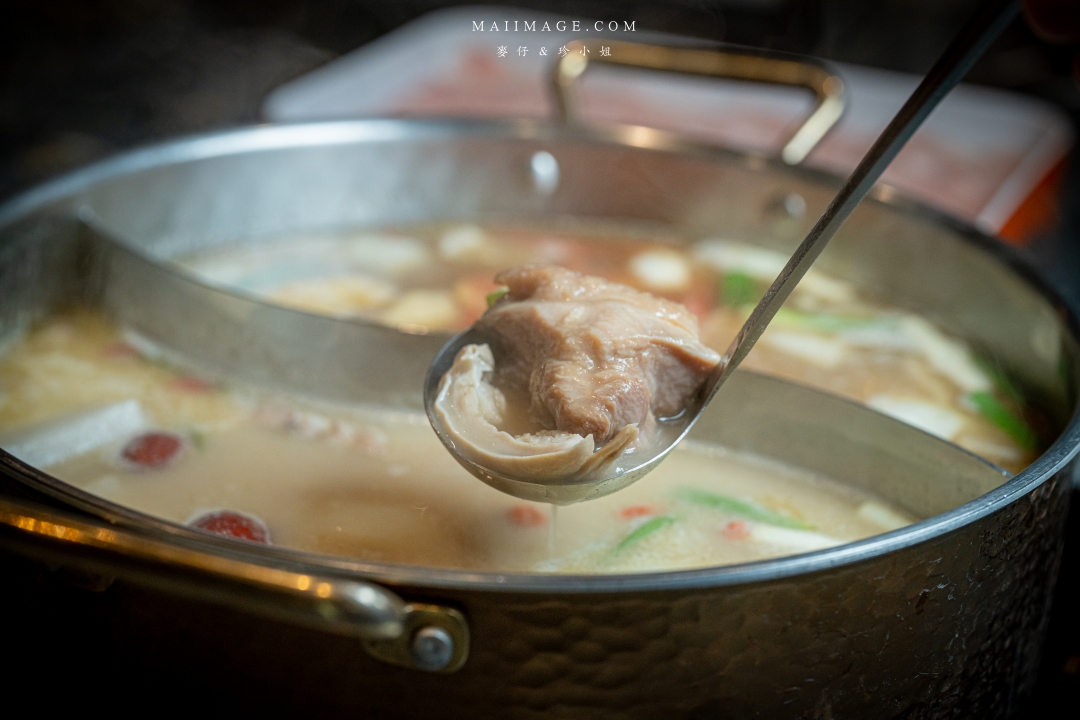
313,134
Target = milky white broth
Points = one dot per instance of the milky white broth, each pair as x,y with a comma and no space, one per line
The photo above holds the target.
377,485
829,334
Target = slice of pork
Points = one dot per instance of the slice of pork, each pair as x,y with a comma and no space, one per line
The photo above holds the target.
595,363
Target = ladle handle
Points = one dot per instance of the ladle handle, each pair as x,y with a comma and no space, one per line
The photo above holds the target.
750,66
386,624
969,44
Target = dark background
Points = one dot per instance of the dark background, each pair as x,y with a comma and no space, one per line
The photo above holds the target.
82,79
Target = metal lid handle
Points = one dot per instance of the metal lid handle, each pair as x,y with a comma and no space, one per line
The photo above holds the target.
826,86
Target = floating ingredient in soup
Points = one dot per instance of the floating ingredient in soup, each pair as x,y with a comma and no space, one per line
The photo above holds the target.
829,334
586,369
928,417
72,434
735,506
432,277
232,524
344,296
316,426
527,516
788,540
763,266
997,412
377,486
739,289
152,450
644,530
882,515
423,310
661,270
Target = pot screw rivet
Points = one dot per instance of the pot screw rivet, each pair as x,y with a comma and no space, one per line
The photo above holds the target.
432,648
545,172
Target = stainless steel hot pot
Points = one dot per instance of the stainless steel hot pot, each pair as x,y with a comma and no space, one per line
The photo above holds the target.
938,619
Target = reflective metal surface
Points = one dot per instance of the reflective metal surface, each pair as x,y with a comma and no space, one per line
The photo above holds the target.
222,334
827,87
386,624
358,609
939,619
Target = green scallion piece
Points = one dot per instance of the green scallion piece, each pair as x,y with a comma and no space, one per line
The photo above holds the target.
494,297
197,439
1001,381
644,530
739,289
739,507
830,323
995,411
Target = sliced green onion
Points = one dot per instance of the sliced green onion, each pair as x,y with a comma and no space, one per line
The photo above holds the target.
197,439
1000,379
740,289
1014,426
494,297
748,510
831,323
644,530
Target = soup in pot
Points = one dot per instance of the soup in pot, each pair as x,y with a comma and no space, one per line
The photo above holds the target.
99,409
829,335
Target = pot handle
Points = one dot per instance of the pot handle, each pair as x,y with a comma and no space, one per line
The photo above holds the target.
423,637
817,77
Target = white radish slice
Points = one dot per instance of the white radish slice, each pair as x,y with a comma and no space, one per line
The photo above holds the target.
340,295
822,351
790,539
931,418
949,357
386,254
423,309
884,517
70,436
662,270
463,243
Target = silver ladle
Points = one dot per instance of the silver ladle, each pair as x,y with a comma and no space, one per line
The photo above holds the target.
966,48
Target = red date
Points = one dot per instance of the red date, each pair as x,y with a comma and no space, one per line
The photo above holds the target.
229,523
153,450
